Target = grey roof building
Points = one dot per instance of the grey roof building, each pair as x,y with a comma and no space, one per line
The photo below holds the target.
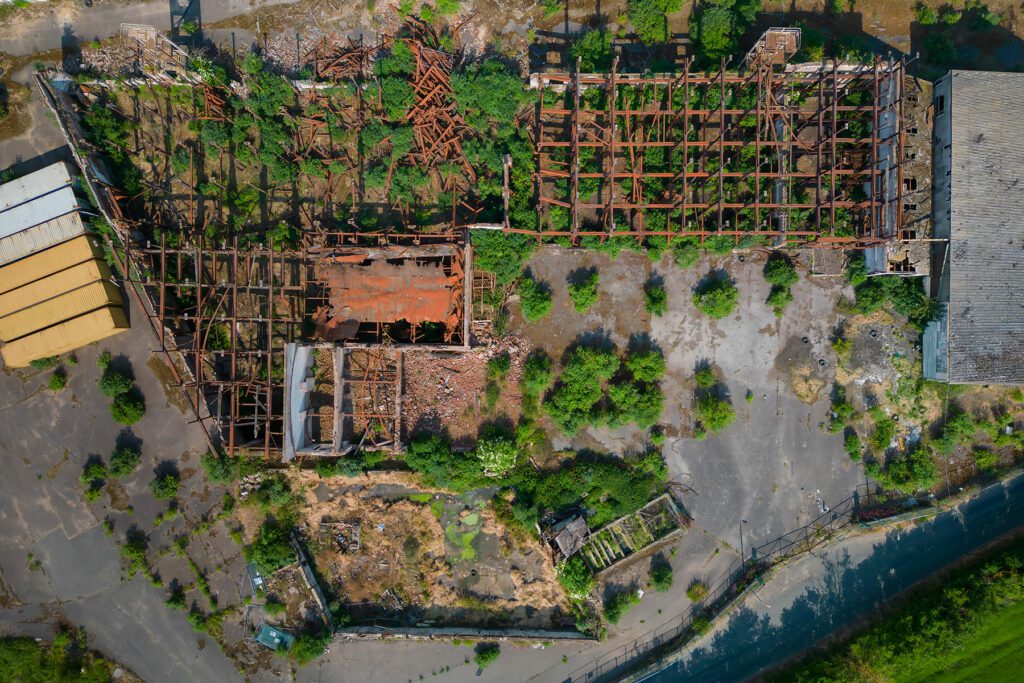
978,204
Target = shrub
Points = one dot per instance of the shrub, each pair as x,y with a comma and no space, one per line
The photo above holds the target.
885,430
940,49
44,363
534,299
843,349
497,456
700,625
501,254
221,469
124,460
594,50
113,383
655,298
779,271
271,549
579,388
853,446
639,403
94,473
908,472
705,377
537,372
551,7
165,487
715,414
716,298
308,646
127,409
433,459
584,292
661,577
649,20
486,653
985,460
697,591
685,251
646,366
926,16
575,577
499,366
616,606
58,380
176,599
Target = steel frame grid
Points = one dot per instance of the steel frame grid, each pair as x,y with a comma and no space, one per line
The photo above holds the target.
809,149
371,397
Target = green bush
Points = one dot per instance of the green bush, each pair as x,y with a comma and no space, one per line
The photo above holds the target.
655,298
697,591
579,388
501,254
219,468
94,473
700,625
926,16
885,430
534,299
646,366
309,646
907,472
537,372
114,383
58,380
271,549
165,487
716,298
499,366
576,578
637,403
779,271
44,363
661,577
551,7
984,459
486,653
274,607
584,292
594,50
853,446
649,20
714,414
127,408
434,460
905,295
618,604
705,377
124,460
685,251
940,49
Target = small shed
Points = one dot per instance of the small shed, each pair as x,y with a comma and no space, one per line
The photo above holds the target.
274,638
571,535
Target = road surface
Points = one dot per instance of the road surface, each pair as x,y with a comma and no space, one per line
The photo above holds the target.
819,594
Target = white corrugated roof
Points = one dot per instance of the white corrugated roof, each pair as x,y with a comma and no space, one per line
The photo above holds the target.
35,184
39,237
38,210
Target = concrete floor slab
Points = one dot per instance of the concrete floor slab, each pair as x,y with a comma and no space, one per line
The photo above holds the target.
79,566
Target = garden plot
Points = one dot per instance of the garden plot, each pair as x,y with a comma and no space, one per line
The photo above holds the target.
632,534
386,550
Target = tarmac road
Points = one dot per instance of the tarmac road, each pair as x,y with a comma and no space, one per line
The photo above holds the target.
819,594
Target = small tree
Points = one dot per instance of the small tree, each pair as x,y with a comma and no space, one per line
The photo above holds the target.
534,299
584,292
165,487
716,298
58,380
926,16
124,460
685,251
497,456
575,577
486,653
697,591
705,377
655,298
661,577
647,366
114,383
220,469
127,409
715,414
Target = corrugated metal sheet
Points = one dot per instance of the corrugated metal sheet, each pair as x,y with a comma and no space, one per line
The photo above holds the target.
35,184
39,210
53,285
58,309
986,249
39,237
49,261
66,336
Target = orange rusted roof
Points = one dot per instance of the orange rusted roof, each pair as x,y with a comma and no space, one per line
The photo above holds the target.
386,292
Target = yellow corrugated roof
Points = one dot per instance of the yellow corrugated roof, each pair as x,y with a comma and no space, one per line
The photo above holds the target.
58,309
65,336
53,285
49,261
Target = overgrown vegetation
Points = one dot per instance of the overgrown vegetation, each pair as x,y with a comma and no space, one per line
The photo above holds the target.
583,292
67,658
781,274
534,298
649,20
905,295
619,603
717,26
655,297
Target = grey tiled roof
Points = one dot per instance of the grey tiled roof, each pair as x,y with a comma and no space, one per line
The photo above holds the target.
986,312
